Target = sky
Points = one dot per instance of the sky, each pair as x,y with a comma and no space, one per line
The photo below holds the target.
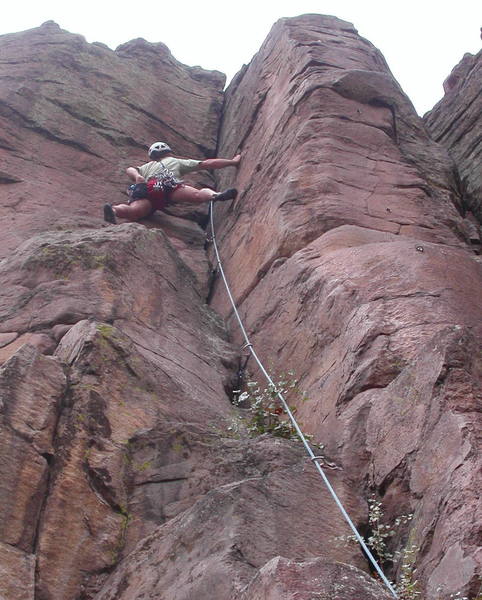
422,40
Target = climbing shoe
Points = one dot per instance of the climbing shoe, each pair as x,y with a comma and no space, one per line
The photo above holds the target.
109,214
226,195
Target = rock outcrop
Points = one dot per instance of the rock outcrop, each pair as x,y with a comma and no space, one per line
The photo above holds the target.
144,351
351,263
455,123
121,431
85,114
121,473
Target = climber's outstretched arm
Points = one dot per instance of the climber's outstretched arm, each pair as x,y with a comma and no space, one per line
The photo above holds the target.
220,163
134,175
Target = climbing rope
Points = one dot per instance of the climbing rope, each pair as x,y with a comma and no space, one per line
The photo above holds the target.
313,458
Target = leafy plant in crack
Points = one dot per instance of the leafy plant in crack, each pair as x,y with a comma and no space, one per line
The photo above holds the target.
407,585
381,532
264,411
377,541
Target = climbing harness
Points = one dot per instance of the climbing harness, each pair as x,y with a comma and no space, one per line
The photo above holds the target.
136,191
163,181
316,460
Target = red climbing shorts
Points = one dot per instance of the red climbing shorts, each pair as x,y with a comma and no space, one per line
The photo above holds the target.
158,195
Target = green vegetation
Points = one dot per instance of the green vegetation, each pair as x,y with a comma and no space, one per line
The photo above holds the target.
105,330
407,587
264,411
124,524
142,466
380,532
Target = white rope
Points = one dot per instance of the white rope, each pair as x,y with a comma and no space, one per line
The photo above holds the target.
308,449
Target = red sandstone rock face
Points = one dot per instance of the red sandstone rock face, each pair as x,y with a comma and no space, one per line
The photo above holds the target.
455,123
65,453
108,464
225,531
118,478
282,578
110,455
74,115
16,573
350,261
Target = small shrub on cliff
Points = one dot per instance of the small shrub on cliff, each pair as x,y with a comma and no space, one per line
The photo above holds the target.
379,532
407,586
264,410
377,541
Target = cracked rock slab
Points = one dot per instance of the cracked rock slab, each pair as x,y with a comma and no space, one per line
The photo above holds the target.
352,265
215,547
281,579
17,574
31,391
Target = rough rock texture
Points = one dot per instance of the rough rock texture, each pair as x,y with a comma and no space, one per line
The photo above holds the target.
32,387
455,123
120,476
223,532
16,573
108,450
149,352
85,113
315,579
351,263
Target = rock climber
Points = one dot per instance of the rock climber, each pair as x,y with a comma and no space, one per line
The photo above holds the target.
158,183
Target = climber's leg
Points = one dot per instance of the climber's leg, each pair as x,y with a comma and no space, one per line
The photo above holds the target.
134,211
186,193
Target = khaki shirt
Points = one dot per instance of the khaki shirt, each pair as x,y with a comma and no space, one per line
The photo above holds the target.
178,166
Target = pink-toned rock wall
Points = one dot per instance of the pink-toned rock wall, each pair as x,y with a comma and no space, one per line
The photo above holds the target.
74,115
455,123
119,475
281,578
352,266
118,442
144,351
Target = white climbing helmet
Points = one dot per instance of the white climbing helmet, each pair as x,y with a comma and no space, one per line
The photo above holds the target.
158,148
